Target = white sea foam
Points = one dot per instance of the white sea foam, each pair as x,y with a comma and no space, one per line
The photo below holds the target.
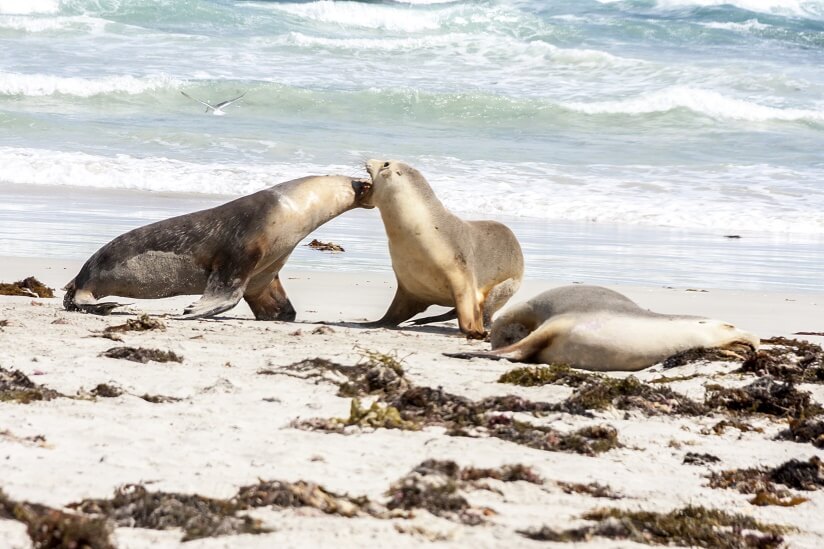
804,8
356,14
20,7
693,198
34,24
706,102
746,26
43,84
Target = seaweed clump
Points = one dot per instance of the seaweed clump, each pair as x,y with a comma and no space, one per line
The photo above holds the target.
403,406
198,516
17,387
629,393
48,527
805,430
690,526
700,354
761,481
28,287
325,246
765,396
789,360
435,485
593,489
140,324
142,355
695,458
554,374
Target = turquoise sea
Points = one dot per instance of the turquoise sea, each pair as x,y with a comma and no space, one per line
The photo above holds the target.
624,141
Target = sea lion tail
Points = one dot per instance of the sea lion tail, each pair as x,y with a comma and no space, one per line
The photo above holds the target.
445,317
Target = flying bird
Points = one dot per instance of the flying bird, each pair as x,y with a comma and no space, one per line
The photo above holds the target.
217,110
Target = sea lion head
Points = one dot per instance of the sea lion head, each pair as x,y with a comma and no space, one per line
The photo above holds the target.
363,192
390,176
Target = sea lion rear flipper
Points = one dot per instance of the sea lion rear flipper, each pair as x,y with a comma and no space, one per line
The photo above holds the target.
217,298
523,351
447,316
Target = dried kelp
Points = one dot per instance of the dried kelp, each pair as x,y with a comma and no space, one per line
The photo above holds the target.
140,354
52,528
789,360
555,374
629,394
135,506
805,430
700,355
764,396
691,526
404,406
761,481
695,458
140,324
28,287
593,489
15,386
325,246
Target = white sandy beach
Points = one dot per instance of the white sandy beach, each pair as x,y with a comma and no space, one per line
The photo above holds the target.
232,426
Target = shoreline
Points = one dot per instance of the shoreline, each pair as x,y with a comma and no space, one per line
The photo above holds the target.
71,223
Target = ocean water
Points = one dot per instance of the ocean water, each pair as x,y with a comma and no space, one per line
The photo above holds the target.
638,124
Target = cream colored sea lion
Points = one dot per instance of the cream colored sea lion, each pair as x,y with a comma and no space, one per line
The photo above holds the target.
438,258
226,253
594,328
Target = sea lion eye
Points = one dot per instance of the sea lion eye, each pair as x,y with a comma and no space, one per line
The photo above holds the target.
386,164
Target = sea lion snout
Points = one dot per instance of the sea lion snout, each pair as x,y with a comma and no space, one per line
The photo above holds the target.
363,189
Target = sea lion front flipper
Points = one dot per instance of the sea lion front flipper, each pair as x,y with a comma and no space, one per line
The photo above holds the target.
445,317
219,296
403,307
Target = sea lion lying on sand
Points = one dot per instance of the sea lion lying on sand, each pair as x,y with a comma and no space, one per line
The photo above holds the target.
231,251
594,328
438,258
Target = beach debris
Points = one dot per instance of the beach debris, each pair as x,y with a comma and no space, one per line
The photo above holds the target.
805,430
809,333
28,287
4,323
593,489
323,330
696,458
764,396
401,405
436,485
761,481
721,427
15,386
141,354
325,246
140,324
599,392
555,374
159,399
136,507
105,390
36,440
790,360
732,236
690,526
673,379
48,527
702,355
